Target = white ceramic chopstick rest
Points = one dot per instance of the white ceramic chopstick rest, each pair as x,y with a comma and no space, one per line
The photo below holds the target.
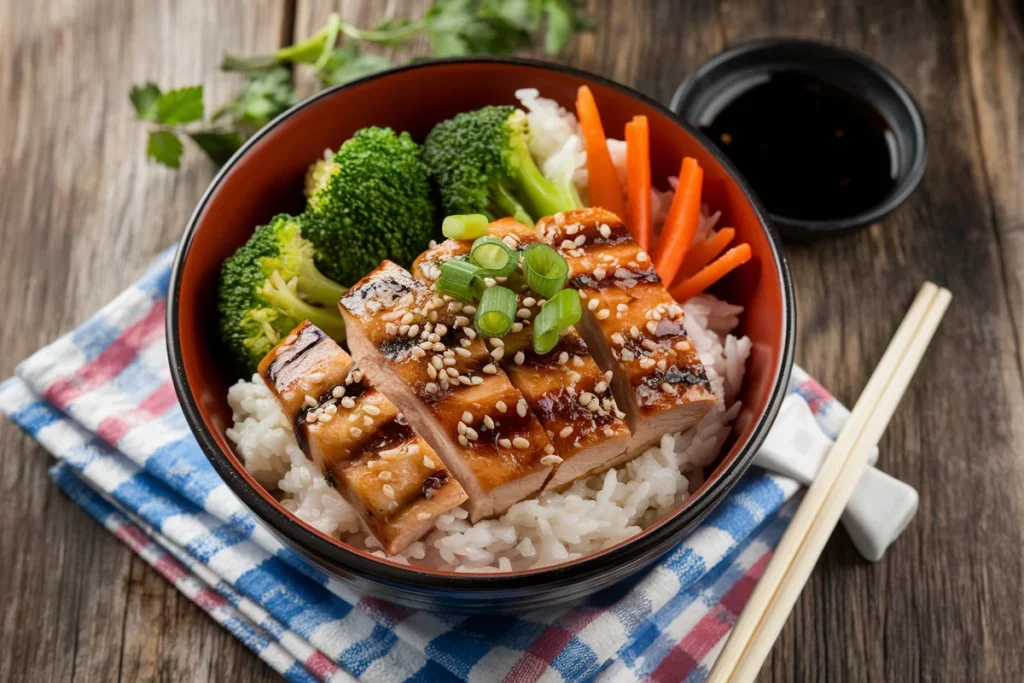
881,506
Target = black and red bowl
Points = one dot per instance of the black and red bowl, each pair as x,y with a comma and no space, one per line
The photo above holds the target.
265,177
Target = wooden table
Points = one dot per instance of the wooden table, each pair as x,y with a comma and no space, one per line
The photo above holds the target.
81,212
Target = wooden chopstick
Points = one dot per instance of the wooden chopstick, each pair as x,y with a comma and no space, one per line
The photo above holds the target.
798,550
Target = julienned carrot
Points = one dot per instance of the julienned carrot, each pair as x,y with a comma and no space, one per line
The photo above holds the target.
681,222
604,183
704,252
638,181
711,273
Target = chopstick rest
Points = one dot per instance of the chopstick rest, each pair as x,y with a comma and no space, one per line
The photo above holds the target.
881,506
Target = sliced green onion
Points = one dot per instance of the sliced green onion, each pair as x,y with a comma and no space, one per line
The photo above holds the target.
545,269
496,311
464,227
494,256
460,279
560,312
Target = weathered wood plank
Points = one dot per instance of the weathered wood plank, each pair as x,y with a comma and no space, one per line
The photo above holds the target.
81,212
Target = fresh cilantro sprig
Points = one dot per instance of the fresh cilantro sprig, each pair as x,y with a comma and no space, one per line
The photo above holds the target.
453,28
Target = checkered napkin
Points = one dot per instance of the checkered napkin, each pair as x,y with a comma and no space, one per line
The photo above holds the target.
100,399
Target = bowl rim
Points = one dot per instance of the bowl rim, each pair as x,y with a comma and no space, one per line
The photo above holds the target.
852,59
361,563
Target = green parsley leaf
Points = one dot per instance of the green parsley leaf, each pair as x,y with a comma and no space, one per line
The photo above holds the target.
218,145
348,63
183,105
263,96
144,99
165,148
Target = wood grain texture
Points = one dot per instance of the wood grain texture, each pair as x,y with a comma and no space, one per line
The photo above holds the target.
947,602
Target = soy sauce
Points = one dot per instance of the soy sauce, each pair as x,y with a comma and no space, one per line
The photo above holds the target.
811,150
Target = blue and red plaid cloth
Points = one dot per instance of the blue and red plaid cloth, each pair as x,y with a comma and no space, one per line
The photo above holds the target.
100,400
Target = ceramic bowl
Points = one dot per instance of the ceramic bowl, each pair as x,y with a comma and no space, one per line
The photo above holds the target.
265,177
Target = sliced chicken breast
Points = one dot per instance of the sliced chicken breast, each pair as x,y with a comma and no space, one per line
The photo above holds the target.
359,440
422,352
567,391
631,324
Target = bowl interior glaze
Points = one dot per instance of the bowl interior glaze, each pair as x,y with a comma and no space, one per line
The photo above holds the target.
266,178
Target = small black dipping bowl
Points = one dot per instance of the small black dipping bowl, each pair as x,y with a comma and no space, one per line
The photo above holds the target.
720,79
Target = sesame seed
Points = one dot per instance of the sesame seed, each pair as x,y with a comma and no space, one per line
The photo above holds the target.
431,372
566,431
476,379
519,357
467,417
388,491
471,434
524,313
463,379
641,256
384,475
520,442
500,405
577,362
504,443
309,401
608,376
338,391
652,327
374,306
497,342
438,347
452,372
408,318
463,440
414,331
521,407
599,273
627,355
348,403
465,353
622,307
367,421
511,241
461,427
440,330
488,422
418,352
517,327
600,387
586,397
603,314
471,333
634,332
567,244
550,460
324,417
490,369
331,409
581,240
448,361
617,338
428,462
390,329
662,365
498,353
422,516
668,388
563,358
529,301
403,330
414,449
356,432
680,346
431,388
469,310
646,363
593,304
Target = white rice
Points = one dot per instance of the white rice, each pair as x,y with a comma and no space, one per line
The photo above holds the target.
593,513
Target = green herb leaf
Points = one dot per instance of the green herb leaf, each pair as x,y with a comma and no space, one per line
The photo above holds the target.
218,145
263,97
165,148
183,105
348,63
144,99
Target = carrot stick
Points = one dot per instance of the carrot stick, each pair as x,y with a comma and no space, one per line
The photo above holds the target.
711,273
681,223
638,181
704,253
604,183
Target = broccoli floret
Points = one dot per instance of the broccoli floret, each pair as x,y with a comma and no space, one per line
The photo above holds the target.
481,163
268,287
370,202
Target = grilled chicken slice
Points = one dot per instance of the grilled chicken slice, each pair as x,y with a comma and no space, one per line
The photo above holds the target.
358,439
631,324
423,353
567,391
